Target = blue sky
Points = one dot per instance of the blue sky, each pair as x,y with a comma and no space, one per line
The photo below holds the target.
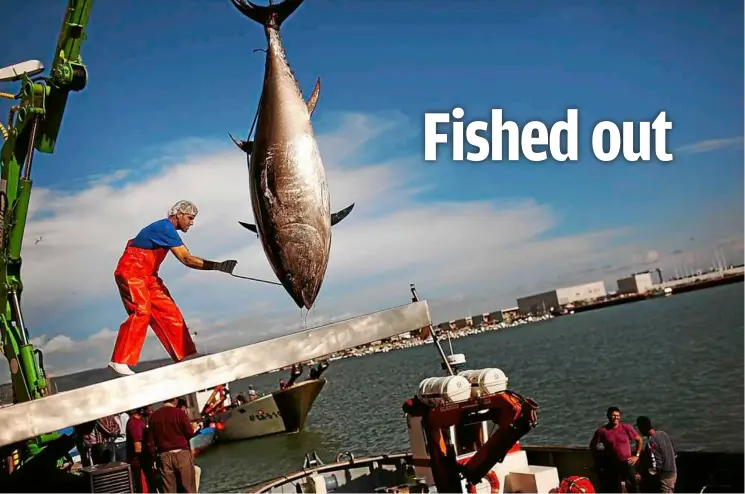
168,81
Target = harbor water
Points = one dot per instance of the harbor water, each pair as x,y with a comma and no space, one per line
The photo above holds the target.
676,359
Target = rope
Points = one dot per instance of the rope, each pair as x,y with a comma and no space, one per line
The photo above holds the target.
256,117
255,279
3,131
258,107
7,96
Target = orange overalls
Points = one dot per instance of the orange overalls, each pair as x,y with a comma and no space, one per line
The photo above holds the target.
148,303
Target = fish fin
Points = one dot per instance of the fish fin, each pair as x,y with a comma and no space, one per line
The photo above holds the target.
271,15
249,226
245,146
340,215
313,100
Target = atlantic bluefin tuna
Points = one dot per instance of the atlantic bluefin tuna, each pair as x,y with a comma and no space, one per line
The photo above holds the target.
287,182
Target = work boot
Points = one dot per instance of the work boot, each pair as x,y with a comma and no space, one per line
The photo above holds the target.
122,369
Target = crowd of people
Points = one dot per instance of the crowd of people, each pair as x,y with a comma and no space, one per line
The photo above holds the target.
650,468
155,444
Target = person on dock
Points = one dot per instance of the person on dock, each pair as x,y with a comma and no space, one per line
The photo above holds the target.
616,461
101,440
139,459
660,472
145,297
169,432
83,434
120,443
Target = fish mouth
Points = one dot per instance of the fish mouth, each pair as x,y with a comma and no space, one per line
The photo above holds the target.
303,297
303,261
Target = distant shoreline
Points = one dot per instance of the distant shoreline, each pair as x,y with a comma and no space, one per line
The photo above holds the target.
92,376
412,341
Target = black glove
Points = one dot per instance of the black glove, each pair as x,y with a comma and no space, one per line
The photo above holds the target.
226,266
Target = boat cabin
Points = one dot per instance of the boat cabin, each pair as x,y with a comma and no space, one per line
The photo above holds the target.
208,401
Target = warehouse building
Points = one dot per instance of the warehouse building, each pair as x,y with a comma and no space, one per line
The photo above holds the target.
496,317
476,321
544,302
636,283
509,315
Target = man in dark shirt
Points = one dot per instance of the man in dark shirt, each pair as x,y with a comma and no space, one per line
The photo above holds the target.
169,433
616,459
661,472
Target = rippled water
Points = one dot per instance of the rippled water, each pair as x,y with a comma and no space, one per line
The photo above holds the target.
677,359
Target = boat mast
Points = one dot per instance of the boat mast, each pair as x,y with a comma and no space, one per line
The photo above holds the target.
435,339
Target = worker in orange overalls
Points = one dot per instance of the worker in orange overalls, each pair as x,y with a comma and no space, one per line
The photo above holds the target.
145,297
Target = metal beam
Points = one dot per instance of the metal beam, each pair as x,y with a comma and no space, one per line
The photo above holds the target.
52,413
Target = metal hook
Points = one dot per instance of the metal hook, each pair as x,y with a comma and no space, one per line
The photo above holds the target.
255,279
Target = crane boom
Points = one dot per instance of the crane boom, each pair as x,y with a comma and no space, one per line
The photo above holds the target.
33,125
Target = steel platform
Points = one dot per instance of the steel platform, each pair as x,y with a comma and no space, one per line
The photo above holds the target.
30,419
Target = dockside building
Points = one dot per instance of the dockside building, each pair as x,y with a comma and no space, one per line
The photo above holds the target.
636,283
541,303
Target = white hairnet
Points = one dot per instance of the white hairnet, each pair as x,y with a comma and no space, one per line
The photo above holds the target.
184,207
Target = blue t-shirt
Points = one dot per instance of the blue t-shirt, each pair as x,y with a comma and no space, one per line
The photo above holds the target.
158,234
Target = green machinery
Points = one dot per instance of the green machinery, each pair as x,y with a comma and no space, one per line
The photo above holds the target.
33,125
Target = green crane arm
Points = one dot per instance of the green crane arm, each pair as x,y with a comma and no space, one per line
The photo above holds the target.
33,125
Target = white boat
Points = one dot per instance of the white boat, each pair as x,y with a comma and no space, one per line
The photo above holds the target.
468,418
283,411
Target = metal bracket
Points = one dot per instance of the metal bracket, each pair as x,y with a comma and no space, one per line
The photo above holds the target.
312,460
346,454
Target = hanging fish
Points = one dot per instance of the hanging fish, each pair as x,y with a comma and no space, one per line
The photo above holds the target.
287,182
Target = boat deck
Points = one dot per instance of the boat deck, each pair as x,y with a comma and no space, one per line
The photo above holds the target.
698,471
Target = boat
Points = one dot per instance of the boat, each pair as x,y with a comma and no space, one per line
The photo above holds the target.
464,432
283,411
455,446
203,440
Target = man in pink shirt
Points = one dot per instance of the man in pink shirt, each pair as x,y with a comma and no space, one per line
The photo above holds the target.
616,455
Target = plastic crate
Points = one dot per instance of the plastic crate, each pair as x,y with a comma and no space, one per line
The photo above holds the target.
108,477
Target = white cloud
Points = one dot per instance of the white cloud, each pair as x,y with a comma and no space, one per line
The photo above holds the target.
710,145
399,232
57,344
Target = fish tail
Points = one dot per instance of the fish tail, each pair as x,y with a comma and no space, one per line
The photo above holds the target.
268,16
